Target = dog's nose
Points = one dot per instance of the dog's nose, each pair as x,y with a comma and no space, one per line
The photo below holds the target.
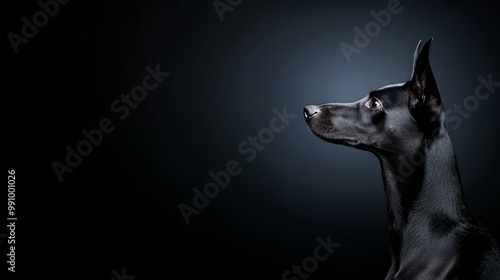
310,111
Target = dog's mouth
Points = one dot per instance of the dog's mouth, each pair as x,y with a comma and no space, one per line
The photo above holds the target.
341,141
351,142
329,135
345,141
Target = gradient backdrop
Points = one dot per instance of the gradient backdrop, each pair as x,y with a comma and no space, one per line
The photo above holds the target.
119,207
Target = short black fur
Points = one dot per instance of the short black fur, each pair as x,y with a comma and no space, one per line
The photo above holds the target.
432,234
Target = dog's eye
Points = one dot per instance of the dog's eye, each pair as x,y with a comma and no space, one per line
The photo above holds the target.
373,103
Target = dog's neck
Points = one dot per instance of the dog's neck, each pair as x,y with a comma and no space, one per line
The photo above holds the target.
410,180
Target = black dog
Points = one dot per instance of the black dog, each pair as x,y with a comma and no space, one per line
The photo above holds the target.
432,235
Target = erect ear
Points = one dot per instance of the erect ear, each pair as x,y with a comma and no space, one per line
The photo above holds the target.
423,85
421,69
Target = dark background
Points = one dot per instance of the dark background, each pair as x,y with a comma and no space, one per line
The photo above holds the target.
118,208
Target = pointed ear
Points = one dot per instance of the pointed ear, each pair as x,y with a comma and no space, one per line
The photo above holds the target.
421,69
428,105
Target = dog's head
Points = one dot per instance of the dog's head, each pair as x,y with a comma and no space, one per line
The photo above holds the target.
391,119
